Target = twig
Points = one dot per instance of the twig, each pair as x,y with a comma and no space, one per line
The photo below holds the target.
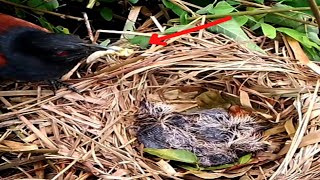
315,11
116,66
63,16
19,162
86,21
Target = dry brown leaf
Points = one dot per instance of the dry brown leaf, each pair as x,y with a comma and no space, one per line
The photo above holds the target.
288,125
212,99
275,130
18,147
208,175
309,139
166,167
245,99
301,55
171,95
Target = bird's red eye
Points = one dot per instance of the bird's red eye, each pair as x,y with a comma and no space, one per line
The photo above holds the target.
62,53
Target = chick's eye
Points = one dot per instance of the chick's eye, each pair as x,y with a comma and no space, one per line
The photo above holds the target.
62,53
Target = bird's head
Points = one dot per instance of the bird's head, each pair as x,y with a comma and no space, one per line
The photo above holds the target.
49,46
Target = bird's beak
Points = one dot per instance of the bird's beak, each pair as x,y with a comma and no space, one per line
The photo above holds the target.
97,47
100,51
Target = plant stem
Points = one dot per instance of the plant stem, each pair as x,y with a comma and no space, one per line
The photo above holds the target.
278,14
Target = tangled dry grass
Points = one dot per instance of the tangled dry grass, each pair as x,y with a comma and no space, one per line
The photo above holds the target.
88,135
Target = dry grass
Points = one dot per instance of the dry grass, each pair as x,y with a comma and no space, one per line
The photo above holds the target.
88,135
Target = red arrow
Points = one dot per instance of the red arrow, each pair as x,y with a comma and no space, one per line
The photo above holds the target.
159,40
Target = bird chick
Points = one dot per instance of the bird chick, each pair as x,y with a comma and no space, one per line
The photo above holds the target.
215,136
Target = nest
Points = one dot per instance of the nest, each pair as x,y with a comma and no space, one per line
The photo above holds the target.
88,135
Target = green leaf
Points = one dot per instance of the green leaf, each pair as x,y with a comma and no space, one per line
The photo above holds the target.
245,159
233,30
20,13
223,166
221,8
314,37
257,25
312,53
105,43
301,37
242,160
61,29
174,154
253,23
241,20
184,19
133,1
300,3
43,4
176,9
206,9
44,23
259,1
106,13
232,2
284,22
142,41
269,30
177,28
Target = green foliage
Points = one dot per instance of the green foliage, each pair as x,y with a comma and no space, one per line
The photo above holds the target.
53,5
39,4
222,7
245,159
57,29
142,41
174,154
42,4
206,9
301,37
184,18
241,20
106,13
259,1
175,8
242,160
269,24
176,29
233,30
299,3
133,1
269,30
105,43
